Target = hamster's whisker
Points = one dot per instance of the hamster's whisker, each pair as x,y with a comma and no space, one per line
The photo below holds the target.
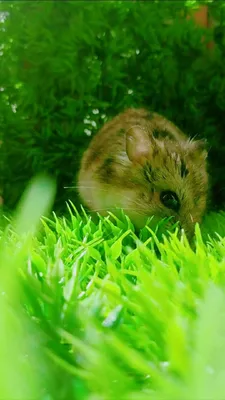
113,208
85,187
101,190
123,209
192,220
78,187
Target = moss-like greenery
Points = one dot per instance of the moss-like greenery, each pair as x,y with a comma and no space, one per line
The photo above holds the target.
67,67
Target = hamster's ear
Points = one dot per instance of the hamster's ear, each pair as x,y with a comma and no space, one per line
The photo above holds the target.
138,145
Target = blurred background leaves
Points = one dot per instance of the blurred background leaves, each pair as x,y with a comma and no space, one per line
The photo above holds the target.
66,67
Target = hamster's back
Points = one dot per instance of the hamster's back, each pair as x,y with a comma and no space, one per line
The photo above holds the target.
110,139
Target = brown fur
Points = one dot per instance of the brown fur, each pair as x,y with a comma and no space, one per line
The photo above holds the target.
136,156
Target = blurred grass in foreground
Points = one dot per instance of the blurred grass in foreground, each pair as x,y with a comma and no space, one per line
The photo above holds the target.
90,310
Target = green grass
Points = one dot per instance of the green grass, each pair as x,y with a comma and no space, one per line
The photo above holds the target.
95,311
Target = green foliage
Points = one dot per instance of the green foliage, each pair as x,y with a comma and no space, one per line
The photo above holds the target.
88,310
91,309
68,66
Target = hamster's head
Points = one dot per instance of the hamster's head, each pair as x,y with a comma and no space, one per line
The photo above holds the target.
171,178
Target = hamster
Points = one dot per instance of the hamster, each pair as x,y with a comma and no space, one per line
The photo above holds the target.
142,163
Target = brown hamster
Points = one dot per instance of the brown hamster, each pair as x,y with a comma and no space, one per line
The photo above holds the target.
142,163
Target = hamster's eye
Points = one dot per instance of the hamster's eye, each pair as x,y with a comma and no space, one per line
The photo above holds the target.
170,200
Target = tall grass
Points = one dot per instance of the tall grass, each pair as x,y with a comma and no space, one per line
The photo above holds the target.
93,310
